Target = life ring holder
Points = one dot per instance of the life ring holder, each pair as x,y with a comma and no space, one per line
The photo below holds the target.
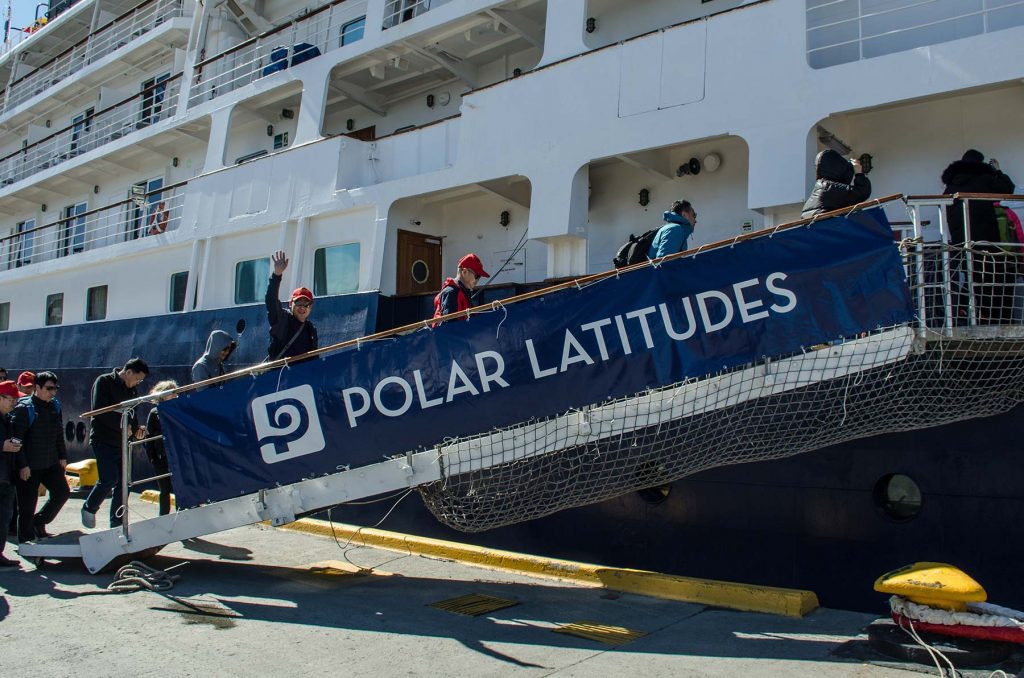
157,222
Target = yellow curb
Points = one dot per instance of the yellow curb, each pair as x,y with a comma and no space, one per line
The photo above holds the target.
729,595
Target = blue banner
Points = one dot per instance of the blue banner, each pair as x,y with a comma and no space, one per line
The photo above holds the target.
763,297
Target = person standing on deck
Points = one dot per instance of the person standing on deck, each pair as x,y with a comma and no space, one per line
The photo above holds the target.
838,183
456,292
291,332
109,389
219,346
674,235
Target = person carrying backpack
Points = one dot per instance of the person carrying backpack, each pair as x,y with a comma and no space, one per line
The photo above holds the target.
37,421
673,236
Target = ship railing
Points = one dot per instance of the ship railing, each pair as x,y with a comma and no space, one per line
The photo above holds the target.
113,36
400,11
93,130
967,280
145,215
320,31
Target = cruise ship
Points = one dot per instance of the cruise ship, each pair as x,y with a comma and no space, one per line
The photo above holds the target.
155,154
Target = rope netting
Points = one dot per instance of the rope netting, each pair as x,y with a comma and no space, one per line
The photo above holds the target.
962,358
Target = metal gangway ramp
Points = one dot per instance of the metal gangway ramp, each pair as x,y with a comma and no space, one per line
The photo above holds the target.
957,353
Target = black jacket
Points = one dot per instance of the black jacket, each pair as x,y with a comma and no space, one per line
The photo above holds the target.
42,443
836,187
109,389
155,448
10,462
283,326
971,176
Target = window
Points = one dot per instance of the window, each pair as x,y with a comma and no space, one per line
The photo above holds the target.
336,269
23,246
898,497
55,309
179,285
352,31
5,316
154,91
96,303
81,125
143,211
250,280
73,229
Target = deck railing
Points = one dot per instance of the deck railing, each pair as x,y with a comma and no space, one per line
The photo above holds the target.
111,37
145,216
322,30
153,104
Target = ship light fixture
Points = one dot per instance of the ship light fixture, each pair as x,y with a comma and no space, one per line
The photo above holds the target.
690,167
591,24
287,113
866,162
350,124
96,189
645,197
505,218
270,130
430,101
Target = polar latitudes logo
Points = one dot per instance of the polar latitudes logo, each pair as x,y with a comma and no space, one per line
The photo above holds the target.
287,425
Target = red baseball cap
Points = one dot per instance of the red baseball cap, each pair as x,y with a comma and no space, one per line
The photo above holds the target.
27,379
302,293
10,389
473,263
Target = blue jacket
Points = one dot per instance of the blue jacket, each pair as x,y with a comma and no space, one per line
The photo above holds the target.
671,237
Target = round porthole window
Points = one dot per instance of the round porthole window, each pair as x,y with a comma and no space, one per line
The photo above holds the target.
898,497
69,431
655,495
80,432
420,271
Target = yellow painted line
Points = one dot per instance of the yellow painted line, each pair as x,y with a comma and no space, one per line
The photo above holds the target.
730,595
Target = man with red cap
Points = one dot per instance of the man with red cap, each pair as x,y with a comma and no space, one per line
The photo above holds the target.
455,293
291,333
11,460
27,383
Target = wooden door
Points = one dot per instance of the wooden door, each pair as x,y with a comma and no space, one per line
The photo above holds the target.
364,134
419,263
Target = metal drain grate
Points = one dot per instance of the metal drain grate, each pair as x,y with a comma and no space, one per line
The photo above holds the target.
610,635
474,604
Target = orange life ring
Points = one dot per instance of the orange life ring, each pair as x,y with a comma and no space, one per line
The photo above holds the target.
158,219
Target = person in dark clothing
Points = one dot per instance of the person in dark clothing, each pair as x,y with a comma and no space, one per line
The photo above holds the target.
27,383
219,346
155,448
456,293
291,332
839,183
37,421
11,460
994,275
105,437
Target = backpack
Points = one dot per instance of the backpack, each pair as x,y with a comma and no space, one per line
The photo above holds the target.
30,408
636,249
1009,229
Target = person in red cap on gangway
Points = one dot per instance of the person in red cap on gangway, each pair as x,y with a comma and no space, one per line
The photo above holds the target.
291,332
455,292
27,383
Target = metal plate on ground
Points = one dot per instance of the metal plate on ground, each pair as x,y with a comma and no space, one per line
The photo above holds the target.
603,633
59,546
474,604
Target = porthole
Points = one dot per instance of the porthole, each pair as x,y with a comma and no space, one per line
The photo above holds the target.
420,271
655,495
69,431
80,431
898,497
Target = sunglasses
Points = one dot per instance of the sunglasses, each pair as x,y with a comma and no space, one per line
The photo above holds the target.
303,304
51,388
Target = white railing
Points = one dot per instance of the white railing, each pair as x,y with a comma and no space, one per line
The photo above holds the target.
842,31
290,44
155,213
155,103
400,11
107,39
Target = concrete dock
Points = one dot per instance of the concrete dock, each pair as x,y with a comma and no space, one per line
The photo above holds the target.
266,601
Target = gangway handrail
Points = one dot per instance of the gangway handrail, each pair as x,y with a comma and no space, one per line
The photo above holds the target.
426,324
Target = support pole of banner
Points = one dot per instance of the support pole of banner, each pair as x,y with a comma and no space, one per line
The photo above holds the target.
126,472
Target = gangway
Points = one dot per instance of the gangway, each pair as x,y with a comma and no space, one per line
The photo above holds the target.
865,383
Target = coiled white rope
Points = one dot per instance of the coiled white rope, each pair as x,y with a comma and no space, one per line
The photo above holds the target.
136,576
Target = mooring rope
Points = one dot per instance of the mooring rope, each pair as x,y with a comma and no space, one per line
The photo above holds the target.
136,576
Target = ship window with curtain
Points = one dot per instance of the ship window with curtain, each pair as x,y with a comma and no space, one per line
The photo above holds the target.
5,316
336,269
179,284
352,31
55,308
23,248
251,278
96,303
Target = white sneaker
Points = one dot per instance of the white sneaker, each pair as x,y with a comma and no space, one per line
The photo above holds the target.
88,519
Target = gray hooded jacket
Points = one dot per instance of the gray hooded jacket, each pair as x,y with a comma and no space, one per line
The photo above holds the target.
210,364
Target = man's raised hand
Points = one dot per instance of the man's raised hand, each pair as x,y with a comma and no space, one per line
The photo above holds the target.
280,262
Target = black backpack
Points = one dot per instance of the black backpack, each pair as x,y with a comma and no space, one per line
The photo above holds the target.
635,251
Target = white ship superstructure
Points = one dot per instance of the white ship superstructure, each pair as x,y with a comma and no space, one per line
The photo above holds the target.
382,133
